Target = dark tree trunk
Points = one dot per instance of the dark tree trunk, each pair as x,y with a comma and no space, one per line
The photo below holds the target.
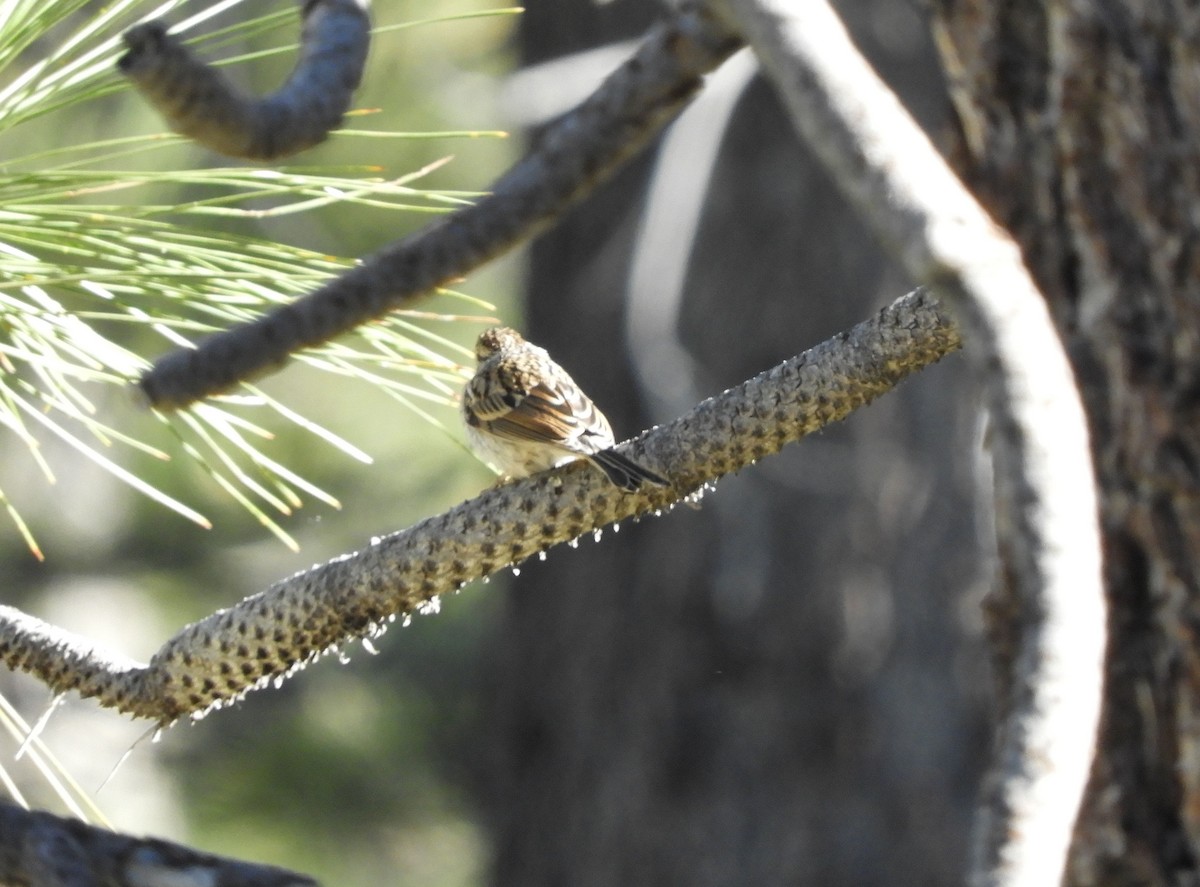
1082,134
783,687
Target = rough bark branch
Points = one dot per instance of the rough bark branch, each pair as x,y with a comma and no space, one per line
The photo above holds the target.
198,101
269,635
41,850
1046,501
571,157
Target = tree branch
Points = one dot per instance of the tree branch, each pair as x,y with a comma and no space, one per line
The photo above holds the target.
1047,513
41,850
270,635
199,102
571,157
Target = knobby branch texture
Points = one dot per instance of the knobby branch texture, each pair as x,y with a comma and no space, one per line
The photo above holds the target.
198,101
41,850
269,635
1047,520
574,154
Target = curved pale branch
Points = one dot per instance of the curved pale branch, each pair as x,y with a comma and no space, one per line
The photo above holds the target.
198,101
571,156
271,634
1047,513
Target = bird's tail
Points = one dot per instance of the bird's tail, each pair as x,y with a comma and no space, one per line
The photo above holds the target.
624,472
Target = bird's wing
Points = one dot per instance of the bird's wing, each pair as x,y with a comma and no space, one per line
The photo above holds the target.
555,413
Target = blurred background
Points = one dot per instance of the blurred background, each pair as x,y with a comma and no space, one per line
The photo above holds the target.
786,686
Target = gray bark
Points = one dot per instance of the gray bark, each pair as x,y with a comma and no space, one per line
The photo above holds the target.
787,686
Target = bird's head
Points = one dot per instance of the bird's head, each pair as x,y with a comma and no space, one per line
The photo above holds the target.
496,339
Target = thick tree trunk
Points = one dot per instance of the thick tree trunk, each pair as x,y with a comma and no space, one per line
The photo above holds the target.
1081,123
783,687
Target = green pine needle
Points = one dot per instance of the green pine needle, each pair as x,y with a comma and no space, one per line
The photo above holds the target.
103,268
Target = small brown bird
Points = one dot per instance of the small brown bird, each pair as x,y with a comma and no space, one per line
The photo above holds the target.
525,414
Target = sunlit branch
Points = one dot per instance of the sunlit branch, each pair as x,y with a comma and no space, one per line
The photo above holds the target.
1047,521
269,635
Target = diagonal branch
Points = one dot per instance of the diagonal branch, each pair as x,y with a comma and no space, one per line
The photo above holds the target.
41,850
572,156
1046,500
271,634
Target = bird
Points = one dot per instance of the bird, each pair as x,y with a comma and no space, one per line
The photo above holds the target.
524,413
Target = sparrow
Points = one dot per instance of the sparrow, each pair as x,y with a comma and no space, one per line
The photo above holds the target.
524,414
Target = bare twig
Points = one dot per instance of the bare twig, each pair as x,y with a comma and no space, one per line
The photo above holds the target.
572,156
1047,518
271,634
200,102
41,850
